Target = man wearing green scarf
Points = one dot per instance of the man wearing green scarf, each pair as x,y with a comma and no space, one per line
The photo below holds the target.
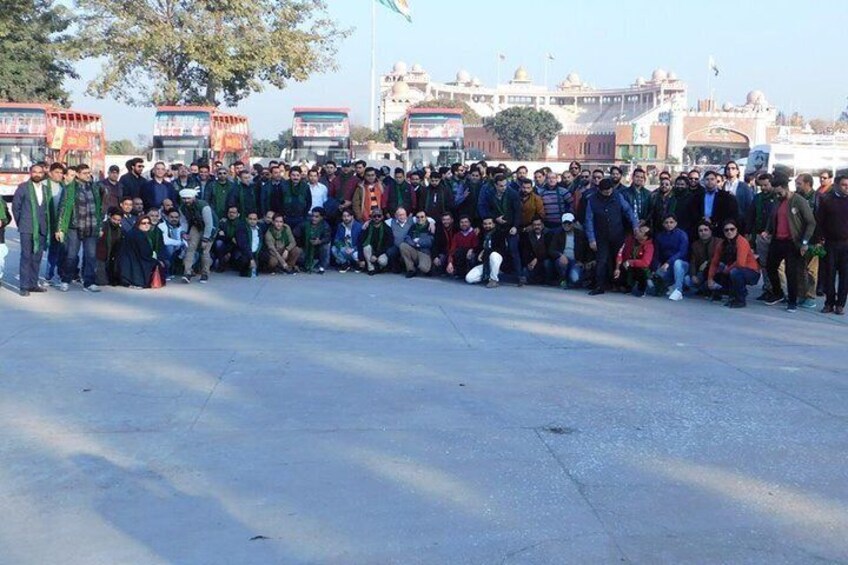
315,235
281,252
417,247
215,193
78,227
30,209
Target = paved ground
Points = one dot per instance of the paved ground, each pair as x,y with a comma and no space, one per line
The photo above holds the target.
347,419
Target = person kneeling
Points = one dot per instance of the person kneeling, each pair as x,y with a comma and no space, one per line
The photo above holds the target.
633,263
417,246
281,251
490,257
375,239
671,247
249,245
733,267
315,235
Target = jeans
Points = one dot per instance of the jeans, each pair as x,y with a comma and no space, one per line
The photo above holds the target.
73,243
675,275
476,274
4,251
837,266
571,272
56,254
512,245
738,281
345,257
541,274
321,255
781,250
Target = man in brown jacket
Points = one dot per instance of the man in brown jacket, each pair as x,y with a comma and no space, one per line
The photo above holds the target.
281,250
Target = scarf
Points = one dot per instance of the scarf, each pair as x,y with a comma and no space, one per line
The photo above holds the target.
309,231
418,230
370,232
281,235
3,217
33,207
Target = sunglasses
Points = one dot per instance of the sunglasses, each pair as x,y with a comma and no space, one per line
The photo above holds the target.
144,223
729,230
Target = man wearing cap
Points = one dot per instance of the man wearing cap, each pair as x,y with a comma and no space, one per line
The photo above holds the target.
374,241
608,218
200,225
216,193
111,190
569,251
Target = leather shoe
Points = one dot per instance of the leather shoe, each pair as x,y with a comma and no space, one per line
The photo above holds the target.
828,309
37,289
24,292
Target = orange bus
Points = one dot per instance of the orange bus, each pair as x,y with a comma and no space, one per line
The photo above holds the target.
30,133
190,134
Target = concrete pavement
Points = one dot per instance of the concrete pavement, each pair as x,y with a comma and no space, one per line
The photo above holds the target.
352,419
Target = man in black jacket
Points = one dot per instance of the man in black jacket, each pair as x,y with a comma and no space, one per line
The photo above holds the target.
537,268
132,182
493,248
714,205
570,253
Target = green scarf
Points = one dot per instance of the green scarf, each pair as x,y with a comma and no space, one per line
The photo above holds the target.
370,232
3,217
418,230
33,207
66,209
281,235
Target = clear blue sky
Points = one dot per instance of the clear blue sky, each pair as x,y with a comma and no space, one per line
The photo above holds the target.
787,49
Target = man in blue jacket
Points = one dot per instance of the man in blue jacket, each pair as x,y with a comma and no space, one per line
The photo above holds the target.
158,188
504,205
29,207
671,249
608,217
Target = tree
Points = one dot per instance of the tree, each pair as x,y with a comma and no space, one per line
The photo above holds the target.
469,116
524,131
203,52
266,148
392,132
32,64
284,139
121,147
361,134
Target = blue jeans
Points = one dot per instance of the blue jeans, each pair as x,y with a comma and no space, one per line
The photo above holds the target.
56,255
344,258
572,272
675,275
321,254
543,272
738,281
73,243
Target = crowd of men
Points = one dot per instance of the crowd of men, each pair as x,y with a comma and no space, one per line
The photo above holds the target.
712,234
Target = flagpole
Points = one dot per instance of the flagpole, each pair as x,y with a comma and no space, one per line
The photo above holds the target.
547,58
372,120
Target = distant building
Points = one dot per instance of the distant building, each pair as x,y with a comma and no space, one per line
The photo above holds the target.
649,120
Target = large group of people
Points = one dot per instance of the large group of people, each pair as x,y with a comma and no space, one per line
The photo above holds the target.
711,233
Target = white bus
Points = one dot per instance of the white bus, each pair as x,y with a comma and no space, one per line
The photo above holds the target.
812,155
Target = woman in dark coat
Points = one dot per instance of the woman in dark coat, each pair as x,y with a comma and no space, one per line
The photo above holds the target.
137,259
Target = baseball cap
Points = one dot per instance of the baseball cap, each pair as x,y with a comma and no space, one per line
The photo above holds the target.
568,217
114,168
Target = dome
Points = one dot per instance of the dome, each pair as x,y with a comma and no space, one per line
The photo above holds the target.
476,81
727,107
417,69
521,75
573,78
756,97
640,81
399,68
462,76
672,75
400,88
659,75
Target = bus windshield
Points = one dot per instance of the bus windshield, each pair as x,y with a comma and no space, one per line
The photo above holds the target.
180,149
17,154
321,124
23,121
182,123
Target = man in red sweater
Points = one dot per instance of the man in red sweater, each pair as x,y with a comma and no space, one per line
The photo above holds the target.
463,249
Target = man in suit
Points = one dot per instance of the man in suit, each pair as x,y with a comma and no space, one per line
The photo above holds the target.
29,207
716,206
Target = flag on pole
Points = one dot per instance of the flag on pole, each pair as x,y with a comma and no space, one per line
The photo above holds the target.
550,57
399,6
711,65
501,56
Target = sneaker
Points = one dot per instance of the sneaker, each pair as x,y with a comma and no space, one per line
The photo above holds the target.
772,300
91,288
808,303
187,279
320,270
134,287
63,286
675,295
792,308
563,284
492,284
637,292
344,269
204,279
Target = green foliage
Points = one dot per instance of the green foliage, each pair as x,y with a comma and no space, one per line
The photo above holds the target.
121,147
204,51
469,116
361,134
266,148
392,132
32,64
284,139
524,131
